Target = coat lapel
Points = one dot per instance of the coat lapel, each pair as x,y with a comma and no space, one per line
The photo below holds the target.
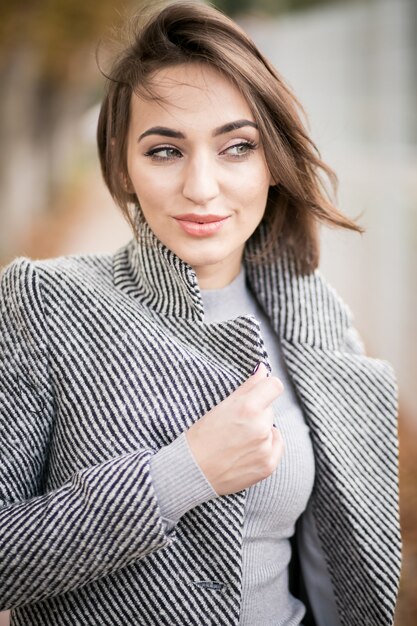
350,405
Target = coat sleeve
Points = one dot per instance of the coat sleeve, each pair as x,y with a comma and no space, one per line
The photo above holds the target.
103,518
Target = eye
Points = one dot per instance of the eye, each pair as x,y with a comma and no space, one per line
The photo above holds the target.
241,149
163,153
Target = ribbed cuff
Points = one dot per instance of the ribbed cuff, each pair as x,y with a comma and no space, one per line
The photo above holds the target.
178,480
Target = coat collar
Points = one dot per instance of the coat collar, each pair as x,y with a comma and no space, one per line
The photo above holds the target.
149,271
301,308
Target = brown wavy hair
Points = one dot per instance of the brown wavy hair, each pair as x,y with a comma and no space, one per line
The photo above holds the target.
189,32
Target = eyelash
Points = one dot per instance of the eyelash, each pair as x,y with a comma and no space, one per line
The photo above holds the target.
250,145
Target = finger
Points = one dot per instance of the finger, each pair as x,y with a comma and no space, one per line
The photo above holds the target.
277,444
261,372
265,391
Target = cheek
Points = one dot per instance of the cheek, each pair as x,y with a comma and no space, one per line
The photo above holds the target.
253,179
152,185
253,190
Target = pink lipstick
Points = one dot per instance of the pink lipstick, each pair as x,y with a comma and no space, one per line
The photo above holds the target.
201,225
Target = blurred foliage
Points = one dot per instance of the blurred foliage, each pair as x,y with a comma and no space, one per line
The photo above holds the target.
239,7
56,30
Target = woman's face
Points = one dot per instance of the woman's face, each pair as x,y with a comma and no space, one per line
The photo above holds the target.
197,167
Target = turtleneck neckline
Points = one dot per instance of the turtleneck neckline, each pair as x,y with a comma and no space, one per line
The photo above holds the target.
237,283
226,302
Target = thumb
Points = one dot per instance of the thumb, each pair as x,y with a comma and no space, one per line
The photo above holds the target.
259,373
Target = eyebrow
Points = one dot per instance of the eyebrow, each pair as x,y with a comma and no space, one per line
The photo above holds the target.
176,134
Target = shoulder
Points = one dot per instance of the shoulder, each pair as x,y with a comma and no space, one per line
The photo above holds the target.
32,290
75,267
340,314
328,295
24,274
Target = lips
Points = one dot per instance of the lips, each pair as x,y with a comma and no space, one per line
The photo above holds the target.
200,219
201,225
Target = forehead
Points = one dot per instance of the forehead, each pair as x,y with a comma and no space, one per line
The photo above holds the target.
193,95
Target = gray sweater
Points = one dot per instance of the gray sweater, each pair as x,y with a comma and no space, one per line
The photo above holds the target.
273,505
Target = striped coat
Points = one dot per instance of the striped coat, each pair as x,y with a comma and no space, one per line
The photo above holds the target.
106,358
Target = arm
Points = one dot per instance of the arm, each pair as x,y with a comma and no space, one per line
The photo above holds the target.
178,480
102,519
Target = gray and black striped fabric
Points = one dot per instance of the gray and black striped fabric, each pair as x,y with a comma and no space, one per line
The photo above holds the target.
104,359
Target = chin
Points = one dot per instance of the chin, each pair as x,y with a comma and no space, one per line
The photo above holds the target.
201,253
200,260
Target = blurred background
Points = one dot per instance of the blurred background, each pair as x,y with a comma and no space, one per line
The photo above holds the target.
353,65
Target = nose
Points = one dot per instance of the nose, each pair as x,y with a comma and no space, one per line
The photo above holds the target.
200,179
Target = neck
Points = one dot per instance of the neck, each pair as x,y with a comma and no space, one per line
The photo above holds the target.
219,275
216,282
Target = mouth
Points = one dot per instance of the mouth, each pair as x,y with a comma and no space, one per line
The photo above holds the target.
200,219
201,225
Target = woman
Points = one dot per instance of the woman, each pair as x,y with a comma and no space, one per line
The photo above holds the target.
191,431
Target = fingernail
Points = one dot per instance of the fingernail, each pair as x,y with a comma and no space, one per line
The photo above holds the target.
256,368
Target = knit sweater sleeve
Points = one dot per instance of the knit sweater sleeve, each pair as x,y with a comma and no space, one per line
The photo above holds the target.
179,482
103,518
